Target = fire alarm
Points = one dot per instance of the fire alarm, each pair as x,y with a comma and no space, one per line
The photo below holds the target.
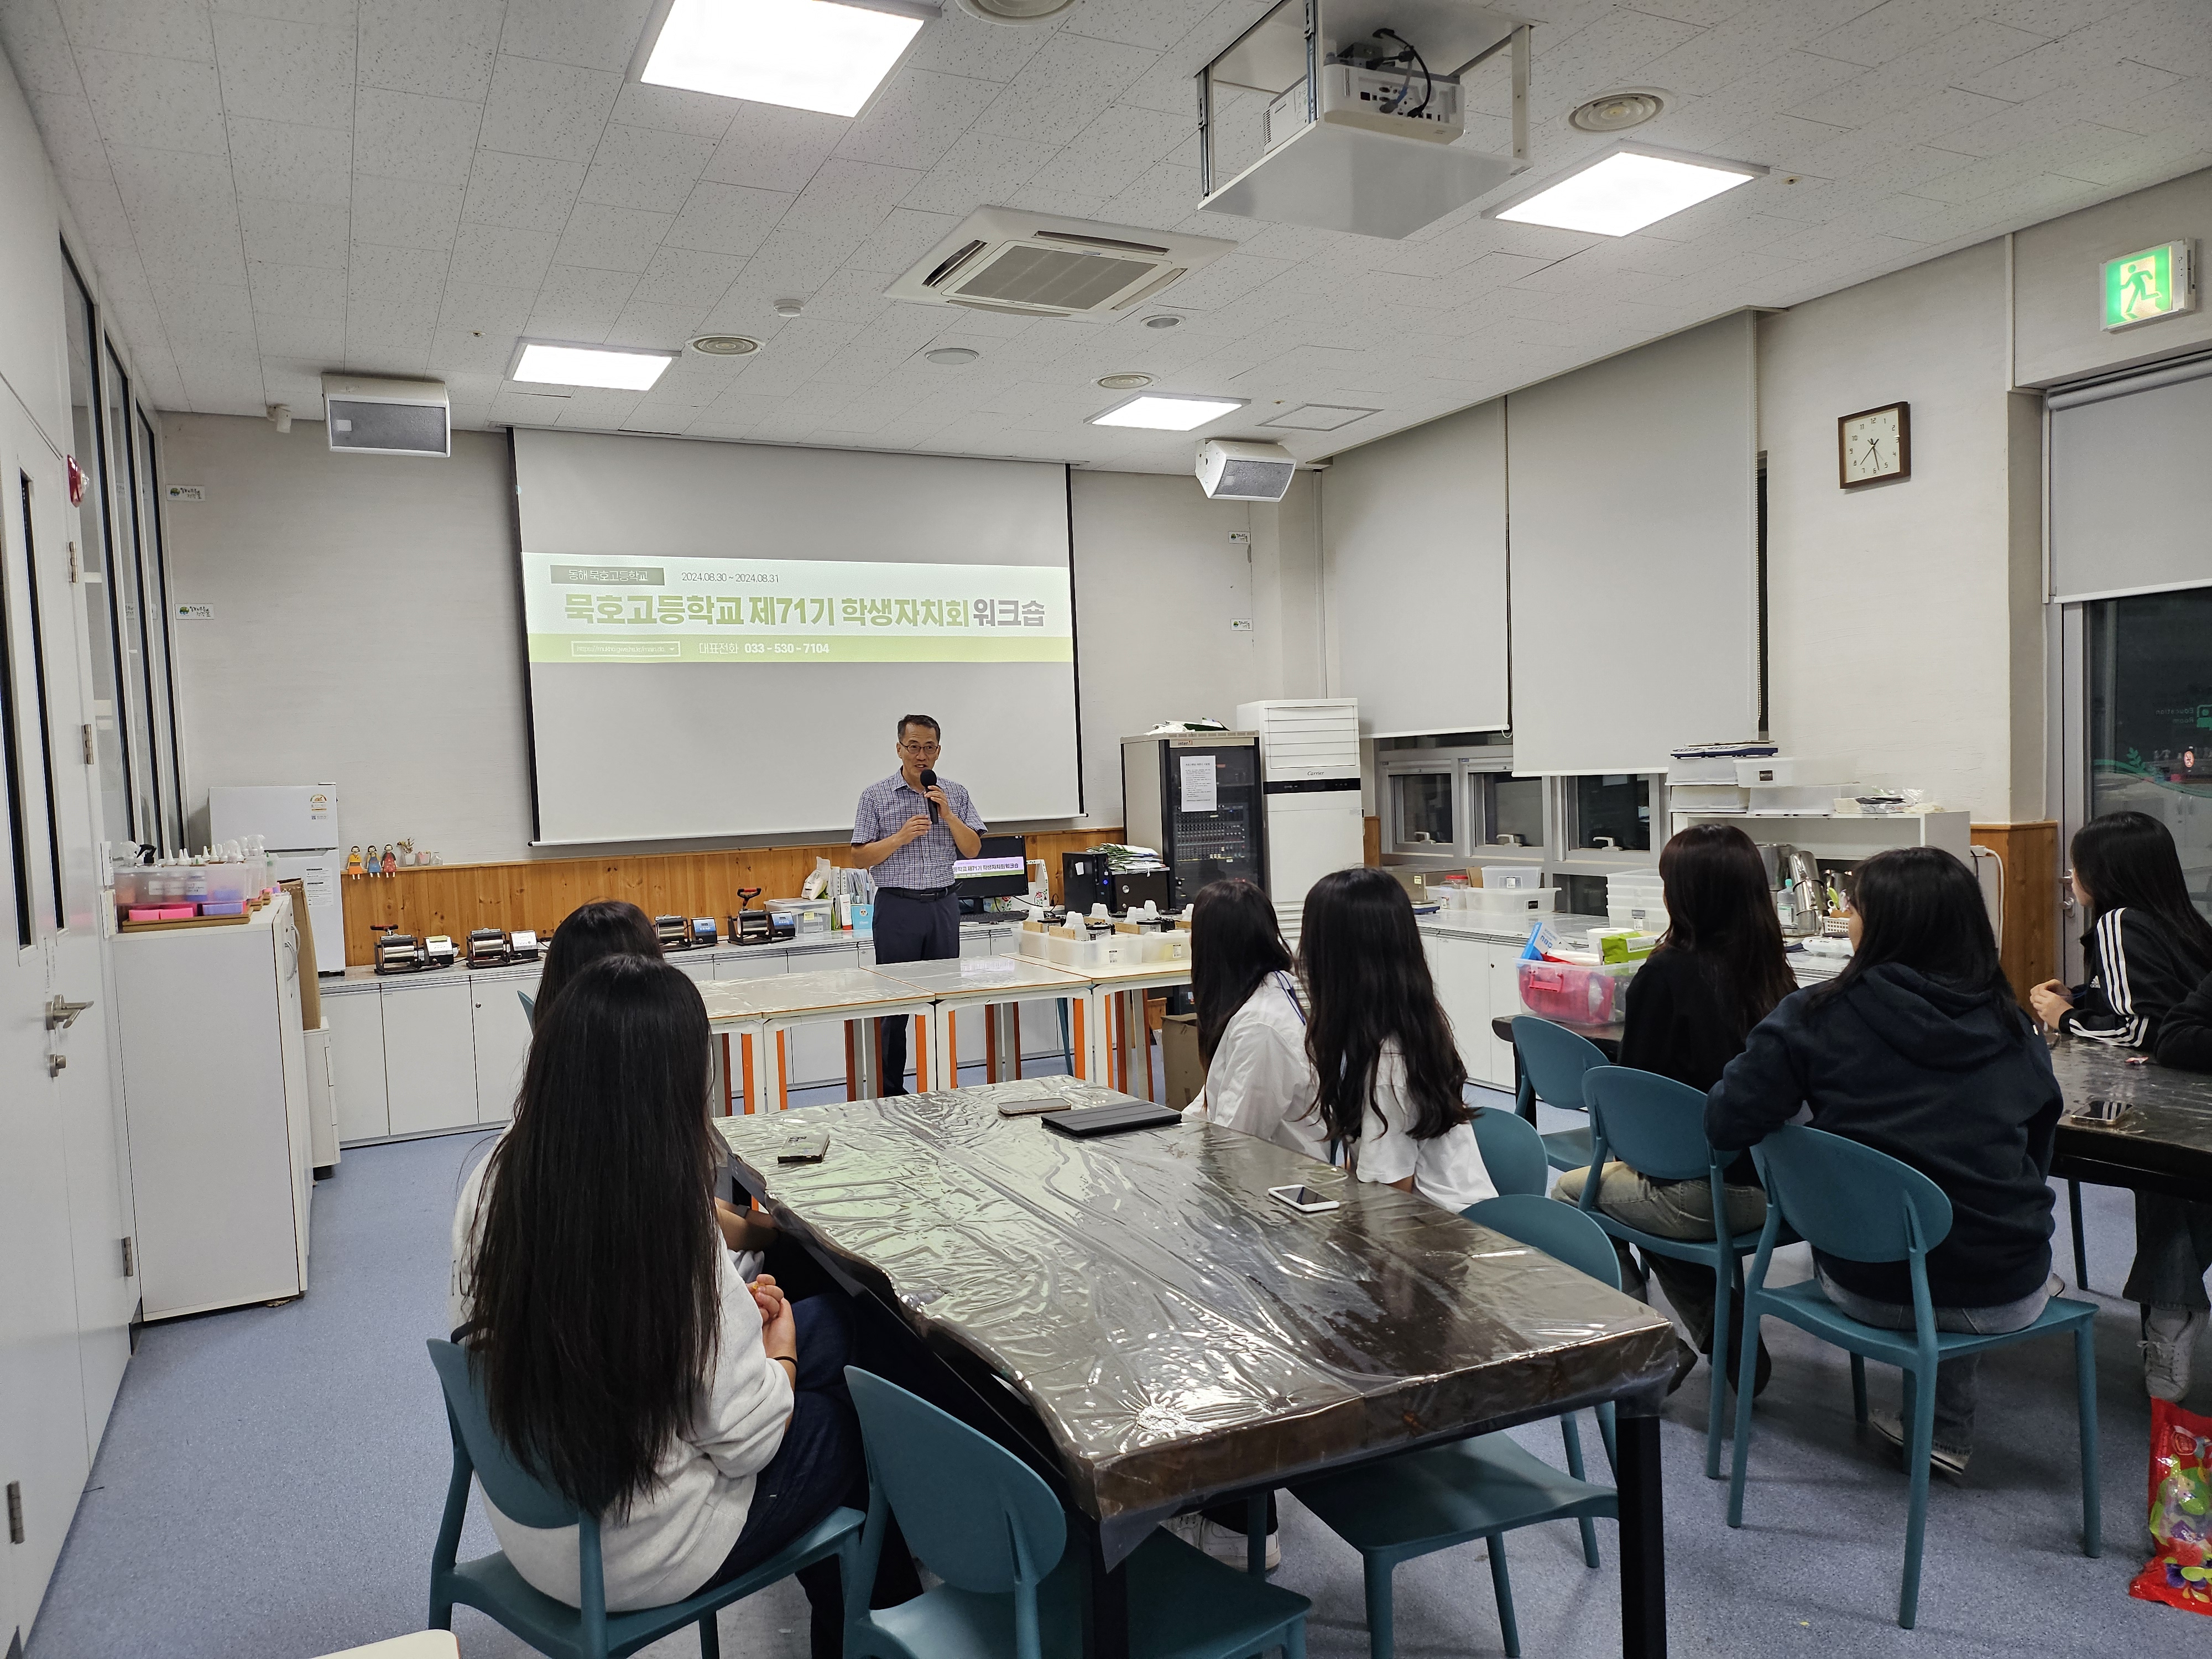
75,480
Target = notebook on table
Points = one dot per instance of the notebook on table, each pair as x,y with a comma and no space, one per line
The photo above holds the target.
1085,1121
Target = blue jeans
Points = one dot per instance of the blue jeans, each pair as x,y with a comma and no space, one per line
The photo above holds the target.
1957,1381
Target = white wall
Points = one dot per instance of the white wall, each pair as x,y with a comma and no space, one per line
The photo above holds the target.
2058,281
364,625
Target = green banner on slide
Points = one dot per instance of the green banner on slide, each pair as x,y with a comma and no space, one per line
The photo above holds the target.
620,609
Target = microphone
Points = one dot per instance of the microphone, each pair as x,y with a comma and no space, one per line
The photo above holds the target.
929,781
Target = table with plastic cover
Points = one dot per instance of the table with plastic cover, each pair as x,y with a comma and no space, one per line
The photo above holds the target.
1120,1039
1153,1333
759,1012
2160,1142
982,983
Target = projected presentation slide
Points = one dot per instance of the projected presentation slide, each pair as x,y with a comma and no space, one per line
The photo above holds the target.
721,637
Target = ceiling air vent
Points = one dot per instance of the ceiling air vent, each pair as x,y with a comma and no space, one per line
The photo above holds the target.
1032,264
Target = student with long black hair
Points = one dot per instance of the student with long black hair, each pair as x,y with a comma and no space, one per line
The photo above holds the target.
2148,948
1918,1049
1719,969
1251,1022
1388,1075
706,1422
2184,1042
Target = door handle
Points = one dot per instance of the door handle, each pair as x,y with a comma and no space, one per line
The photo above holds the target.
60,1013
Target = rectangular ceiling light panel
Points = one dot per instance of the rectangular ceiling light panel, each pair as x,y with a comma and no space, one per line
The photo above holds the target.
1168,411
802,54
543,363
1626,189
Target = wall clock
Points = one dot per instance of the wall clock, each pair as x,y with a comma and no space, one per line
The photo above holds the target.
1874,446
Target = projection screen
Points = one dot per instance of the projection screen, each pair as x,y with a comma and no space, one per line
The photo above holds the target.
721,637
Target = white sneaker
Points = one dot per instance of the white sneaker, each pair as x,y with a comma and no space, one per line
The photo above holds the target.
2169,1342
1944,1460
1224,1544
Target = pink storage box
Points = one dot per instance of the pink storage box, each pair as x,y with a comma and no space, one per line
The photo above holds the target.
1578,995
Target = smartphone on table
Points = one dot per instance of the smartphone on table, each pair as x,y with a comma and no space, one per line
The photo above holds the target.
1305,1199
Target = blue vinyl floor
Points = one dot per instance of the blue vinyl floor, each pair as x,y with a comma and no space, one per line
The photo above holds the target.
271,1478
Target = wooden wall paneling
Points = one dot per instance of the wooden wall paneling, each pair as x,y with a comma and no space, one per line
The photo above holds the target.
2032,869
456,899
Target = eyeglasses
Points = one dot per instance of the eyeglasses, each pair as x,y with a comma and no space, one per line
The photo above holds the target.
922,749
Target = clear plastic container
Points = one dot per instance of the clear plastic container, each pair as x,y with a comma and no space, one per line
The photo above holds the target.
1578,995
812,918
1030,941
1512,875
232,884
1487,903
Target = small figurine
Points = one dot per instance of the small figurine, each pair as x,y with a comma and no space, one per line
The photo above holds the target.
391,863
353,862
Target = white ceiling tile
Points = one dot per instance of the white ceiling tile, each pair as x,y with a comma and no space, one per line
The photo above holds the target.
324,14
596,409
578,303
405,213
611,238
590,33
319,338
220,376
728,219
956,44
670,109
981,169
489,309
845,201
294,233
916,118
501,256
152,28
1885,33
182,201
642,167
39,49
521,192
280,161
194,310
687,279
527,409
275,71
299,292
296,380
554,110
467,353
72,138
653,326
153,103
904,236
372,324
1063,89
395,279
405,134
766,148
439,48
1154,25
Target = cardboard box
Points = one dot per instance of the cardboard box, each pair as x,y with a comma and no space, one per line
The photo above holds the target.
1186,1072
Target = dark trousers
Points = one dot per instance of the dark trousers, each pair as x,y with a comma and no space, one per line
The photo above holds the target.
911,930
819,1466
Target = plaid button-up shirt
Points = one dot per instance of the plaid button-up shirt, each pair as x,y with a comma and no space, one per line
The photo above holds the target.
927,861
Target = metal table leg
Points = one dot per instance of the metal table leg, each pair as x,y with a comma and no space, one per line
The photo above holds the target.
1643,1534
1105,1596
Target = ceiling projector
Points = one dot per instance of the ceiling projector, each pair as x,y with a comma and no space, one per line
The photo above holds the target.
1229,471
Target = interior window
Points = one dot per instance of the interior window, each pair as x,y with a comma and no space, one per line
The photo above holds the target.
161,671
2150,719
38,692
1613,812
1424,811
128,593
1517,809
11,758
110,720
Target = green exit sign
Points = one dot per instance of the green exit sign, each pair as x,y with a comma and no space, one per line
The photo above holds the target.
2141,287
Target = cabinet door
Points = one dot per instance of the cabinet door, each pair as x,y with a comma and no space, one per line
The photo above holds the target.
1460,971
501,1034
356,1023
1504,1002
753,962
430,1055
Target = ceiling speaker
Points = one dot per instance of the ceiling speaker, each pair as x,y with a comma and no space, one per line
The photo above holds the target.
1230,470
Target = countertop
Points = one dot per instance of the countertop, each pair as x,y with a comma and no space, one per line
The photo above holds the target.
1466,924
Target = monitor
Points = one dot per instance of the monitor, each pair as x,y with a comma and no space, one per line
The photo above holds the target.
999,870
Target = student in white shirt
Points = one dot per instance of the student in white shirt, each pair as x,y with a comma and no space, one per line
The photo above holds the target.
1251,1022
1389,1077
706,1422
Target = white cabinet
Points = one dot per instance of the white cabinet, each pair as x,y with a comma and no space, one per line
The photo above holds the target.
429,1053
354,1012
753,962
1461,969
501,1033
1504,1003
215,1094
322,1098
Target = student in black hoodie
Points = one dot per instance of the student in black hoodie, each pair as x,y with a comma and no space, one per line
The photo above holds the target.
1918,1050
1720,970
2147,947
2184,1042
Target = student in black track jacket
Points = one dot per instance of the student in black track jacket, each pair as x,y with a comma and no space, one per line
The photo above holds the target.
2184,1042
1918,1049
2148,948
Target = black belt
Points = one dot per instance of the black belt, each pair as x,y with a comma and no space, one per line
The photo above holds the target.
919,895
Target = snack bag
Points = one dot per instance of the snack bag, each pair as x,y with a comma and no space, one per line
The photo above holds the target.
2179,1572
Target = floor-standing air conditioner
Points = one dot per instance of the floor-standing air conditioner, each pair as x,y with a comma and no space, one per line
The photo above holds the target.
1309,767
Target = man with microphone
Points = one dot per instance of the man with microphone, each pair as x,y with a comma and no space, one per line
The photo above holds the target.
908,828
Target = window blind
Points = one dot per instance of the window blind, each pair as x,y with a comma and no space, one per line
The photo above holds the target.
2131,483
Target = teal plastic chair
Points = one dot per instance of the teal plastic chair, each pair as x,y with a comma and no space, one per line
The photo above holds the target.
529,1007
1860,1205
1657,1127
1552,1061
1485,1487
492,1585
985,1522
1512,1151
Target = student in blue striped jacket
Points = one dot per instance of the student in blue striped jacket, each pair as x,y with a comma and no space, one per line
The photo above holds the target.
2148,947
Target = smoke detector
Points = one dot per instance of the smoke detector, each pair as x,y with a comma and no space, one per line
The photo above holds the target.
951,356
1014,11
1617,111
724,345
1035,264
1125,382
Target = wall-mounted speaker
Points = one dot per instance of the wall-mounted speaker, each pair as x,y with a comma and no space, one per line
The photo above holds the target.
1232,470
372,416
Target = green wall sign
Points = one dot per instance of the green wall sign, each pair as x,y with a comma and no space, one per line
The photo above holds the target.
2141,287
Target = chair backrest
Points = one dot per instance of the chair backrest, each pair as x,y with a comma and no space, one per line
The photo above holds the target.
1848,1199
1560,1231
1653,1124
1553,1060
976,1515
529,1007
1512,1151
520,1495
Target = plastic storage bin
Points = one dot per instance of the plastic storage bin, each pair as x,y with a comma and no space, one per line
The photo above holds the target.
1502,903
1578,996
810,918
1512,875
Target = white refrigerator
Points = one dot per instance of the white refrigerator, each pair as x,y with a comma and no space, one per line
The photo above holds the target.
299,823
